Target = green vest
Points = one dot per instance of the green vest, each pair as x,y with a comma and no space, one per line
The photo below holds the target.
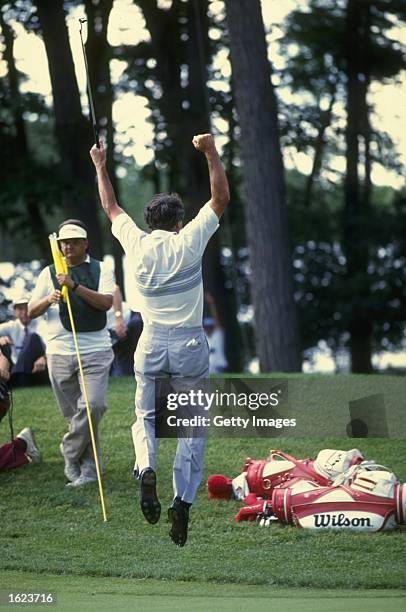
86,317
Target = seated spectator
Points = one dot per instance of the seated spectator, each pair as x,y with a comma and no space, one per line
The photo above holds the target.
215,338
22,449
23,346
125,327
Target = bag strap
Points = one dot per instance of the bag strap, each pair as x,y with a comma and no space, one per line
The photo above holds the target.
299,464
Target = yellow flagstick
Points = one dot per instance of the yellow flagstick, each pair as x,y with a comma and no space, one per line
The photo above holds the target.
61,267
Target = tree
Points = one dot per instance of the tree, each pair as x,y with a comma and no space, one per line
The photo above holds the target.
24,175
363,60
71,128
340,47
266,215
98,56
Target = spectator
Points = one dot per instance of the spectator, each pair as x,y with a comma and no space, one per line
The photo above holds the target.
22,449
215,338
125,327
23,346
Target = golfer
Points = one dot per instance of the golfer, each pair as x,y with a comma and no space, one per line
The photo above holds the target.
91,287
166,268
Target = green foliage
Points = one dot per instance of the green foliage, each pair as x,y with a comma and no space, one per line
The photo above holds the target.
314,43
323,292
135,192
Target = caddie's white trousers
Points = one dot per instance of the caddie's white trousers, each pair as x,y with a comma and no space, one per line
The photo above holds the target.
181,355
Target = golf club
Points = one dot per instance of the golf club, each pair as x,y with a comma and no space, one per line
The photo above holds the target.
89,89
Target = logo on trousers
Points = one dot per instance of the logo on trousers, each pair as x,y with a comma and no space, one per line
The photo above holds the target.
340,520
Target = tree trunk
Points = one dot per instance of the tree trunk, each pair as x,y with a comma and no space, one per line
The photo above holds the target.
320,141
37,222
266,214
73,132
197,187
355,242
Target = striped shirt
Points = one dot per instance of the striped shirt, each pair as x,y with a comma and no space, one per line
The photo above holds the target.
166,268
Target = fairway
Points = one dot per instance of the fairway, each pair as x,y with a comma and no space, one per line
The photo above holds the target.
154,596
56,535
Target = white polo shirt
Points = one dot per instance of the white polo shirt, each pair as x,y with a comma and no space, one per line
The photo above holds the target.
59,341
14,329
167,268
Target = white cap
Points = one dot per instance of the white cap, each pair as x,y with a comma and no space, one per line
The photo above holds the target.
22,298
70,230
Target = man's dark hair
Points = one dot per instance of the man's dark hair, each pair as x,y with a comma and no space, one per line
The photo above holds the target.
73,222
164,211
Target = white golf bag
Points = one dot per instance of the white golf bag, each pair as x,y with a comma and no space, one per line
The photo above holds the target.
371,501
263,476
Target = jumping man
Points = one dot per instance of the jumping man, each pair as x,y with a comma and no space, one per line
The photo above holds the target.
166,267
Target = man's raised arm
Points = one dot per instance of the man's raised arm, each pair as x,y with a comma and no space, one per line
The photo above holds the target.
220,194
106,191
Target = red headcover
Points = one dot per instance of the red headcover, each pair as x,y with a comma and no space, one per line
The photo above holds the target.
219,487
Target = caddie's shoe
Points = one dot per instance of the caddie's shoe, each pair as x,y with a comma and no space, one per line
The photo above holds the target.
82,481
178,515
72,468
150,506
32,452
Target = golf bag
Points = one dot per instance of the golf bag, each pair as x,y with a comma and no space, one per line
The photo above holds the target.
374,501
263,476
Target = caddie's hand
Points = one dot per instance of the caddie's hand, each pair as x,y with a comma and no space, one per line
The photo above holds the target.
4,340
65,280
39,365
204,143
54,297
98,155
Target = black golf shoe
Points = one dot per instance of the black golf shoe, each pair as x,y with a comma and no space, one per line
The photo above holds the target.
178,515
150,506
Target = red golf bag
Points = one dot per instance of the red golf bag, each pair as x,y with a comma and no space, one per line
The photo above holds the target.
263,476
374,501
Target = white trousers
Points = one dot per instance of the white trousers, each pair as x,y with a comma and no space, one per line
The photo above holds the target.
180,355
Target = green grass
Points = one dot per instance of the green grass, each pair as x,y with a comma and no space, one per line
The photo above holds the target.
83,593
47,528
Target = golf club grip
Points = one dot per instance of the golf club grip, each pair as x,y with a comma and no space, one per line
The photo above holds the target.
96,136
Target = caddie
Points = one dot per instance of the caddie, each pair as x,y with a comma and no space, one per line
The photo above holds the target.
91,287
167,271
